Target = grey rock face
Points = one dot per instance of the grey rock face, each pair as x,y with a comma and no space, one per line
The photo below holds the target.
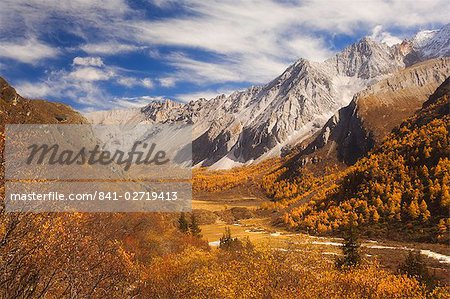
367,59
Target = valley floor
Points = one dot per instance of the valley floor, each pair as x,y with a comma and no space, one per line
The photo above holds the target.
260,231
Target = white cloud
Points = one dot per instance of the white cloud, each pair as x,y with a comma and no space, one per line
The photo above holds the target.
147,82
127,81
383,36
275,32
192,70
247,68
91,74
350,16
309,47
257,39
61,84
154,53
76,12
132,81
88,61
265,26
167,81
34,91
109,48
82,85
163,3
28,51
237,28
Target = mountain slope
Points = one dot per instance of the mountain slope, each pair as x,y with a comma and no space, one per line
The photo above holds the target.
248,124
16,109
354,130
403,183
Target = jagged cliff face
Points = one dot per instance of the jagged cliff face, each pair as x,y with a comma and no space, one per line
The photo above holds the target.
354,130
264,121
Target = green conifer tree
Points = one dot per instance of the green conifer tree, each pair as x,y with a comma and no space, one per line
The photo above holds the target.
183,225
350,249
194,227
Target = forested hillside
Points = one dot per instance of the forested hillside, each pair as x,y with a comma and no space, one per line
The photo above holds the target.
401,188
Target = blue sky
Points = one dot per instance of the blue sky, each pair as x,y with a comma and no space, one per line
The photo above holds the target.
98,54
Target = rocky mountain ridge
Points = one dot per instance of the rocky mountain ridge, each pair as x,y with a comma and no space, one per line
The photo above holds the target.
266,120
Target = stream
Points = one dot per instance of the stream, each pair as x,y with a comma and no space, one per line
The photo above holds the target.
337,242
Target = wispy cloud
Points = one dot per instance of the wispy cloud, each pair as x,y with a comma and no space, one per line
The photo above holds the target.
62,84
90,74
256,40
81,84
109,48
28,50
167,81
135,102
132,81
192,70
35,90
88,61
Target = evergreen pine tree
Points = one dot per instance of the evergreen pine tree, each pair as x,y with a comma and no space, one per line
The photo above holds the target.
350,249
194,227
414,266
183,225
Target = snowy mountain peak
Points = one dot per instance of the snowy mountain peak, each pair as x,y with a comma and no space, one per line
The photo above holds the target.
263,121
432,43
423,37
